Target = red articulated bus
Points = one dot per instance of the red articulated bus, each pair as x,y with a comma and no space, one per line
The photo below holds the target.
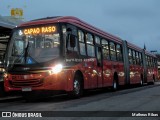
66,54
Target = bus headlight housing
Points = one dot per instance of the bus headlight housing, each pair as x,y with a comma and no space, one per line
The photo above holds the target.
57,68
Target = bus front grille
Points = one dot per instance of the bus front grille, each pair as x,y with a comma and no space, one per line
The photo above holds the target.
23,83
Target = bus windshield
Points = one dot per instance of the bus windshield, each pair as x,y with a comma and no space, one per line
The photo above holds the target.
33,45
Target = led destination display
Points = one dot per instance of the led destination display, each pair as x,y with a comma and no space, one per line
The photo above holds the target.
38,30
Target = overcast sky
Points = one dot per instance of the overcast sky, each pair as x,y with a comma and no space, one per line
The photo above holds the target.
137,21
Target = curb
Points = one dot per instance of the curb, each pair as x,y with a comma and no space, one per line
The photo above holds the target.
10,98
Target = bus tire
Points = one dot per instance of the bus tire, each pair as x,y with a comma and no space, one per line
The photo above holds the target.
115,83
141,82
154,79
77,87
152,82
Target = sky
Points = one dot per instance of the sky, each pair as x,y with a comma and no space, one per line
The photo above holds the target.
137,21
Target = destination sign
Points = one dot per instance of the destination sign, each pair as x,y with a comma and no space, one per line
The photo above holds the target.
38,30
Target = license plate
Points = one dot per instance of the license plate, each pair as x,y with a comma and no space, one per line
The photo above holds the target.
26,89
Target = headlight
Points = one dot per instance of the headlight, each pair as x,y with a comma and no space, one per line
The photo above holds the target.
2,70
57,68
5,75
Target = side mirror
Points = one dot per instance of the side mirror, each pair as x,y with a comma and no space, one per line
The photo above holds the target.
72,41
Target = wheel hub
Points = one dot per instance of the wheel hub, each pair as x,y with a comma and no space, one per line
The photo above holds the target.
76,87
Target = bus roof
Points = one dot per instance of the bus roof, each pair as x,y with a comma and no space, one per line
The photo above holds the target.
150,54
132,46
74,21
81,24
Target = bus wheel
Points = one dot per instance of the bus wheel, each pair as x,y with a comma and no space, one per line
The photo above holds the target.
152,82
141,83
77,87
154,79
115,85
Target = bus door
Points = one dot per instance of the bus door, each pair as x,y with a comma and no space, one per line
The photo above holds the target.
99,66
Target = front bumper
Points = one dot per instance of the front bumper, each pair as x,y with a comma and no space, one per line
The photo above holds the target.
37,82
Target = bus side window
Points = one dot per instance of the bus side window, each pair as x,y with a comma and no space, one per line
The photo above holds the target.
90,45
99,56
105,49
134,57
155,62
71,38
149,59
119,52
97,40
152,61
82,45
112,51
140,59
146,60
137,58
64,31
130,56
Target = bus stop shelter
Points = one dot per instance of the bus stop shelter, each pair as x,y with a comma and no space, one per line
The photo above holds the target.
6,26
5,30
7,23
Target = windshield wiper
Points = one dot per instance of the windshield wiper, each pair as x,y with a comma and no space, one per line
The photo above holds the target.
24,55
27,55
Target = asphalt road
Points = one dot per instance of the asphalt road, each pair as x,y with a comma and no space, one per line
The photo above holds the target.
96,103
